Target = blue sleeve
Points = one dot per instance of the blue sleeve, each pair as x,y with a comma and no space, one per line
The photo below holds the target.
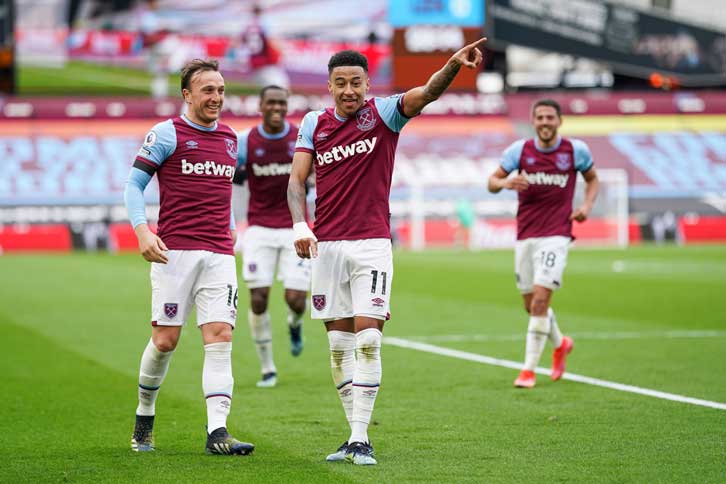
307,128
134,196
232,225
511,156
159,143
583,157
242,148
391,111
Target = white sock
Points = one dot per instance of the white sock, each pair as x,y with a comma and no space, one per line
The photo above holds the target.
261,329
555,333
366,381
294,320
154,365
537,332
217,383
342,365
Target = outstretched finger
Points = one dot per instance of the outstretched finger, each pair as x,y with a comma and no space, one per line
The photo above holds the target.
476,44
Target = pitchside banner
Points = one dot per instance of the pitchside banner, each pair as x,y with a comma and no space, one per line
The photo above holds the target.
633,42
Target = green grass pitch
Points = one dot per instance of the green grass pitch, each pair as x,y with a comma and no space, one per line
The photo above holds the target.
77,78
73,329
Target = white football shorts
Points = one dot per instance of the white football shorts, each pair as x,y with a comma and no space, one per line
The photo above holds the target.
352,278
200,277
540,261
263,249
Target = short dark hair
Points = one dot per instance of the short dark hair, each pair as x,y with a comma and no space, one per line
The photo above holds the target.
270,87
194,66
347,58
548,102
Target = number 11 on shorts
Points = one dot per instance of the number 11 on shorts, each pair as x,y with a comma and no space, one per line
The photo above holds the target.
375,282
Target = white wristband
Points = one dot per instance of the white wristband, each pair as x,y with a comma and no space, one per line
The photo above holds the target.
302,231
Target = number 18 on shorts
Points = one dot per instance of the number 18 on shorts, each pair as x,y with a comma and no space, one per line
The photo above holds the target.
540,261
352,278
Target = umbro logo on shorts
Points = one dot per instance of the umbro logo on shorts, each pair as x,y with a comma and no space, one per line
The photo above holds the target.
378,302
319,301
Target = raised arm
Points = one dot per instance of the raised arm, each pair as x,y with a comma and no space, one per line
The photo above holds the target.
305,241
417,98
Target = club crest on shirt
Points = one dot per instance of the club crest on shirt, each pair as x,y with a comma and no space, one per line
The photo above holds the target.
170,309
563,161
366,119
319,301
231,148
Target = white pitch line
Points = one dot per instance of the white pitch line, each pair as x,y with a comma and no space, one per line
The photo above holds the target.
488,360
462,338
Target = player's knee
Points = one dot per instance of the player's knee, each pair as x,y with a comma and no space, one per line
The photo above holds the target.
258,303
368,346
296,302
217,333
165,343
539,306
369,337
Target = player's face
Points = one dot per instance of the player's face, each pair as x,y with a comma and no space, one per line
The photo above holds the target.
205,97
348,85
546,122
273,107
